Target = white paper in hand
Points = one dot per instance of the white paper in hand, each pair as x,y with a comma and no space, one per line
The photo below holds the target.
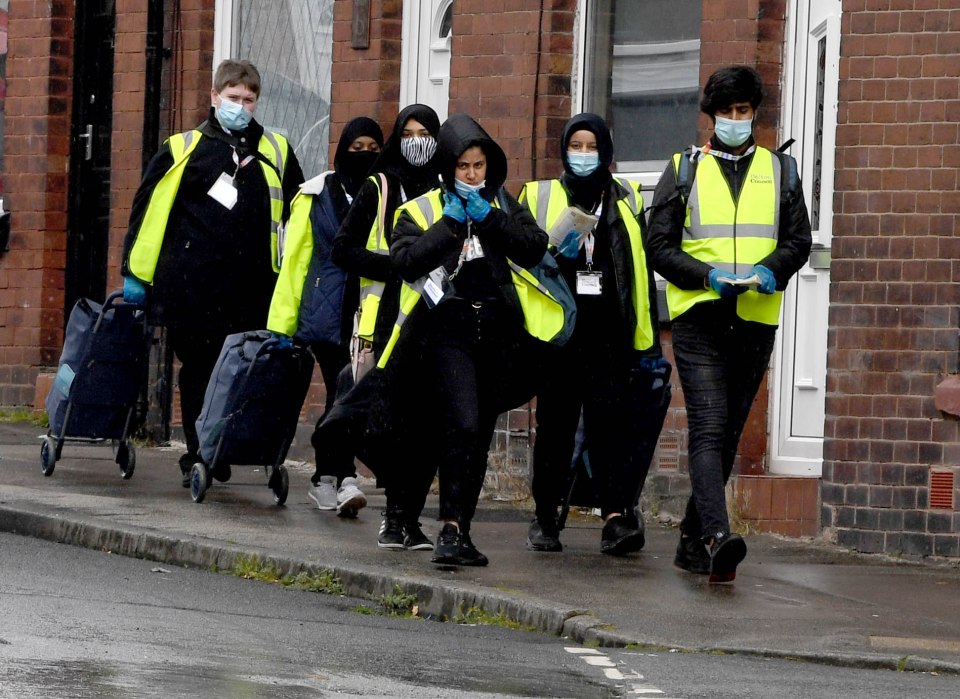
572,218
753,281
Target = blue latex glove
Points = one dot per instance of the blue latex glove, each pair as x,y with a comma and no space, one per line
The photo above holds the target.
477,207
453,207
725,290
134,291
570,247
768,282
283,341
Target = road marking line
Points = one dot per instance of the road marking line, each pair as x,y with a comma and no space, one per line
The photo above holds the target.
613,674
599,661
582,651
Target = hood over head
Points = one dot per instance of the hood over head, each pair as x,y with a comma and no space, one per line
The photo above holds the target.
460,132
353,167
586,189
415,180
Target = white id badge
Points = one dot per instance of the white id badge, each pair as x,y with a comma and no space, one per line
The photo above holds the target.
589,283
223,191
474,249
433,291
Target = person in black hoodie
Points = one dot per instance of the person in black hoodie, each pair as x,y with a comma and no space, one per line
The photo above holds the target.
409,168
202,245
314,299
611,362
452,246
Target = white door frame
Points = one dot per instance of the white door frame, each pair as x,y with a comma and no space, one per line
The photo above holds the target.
799,376
418,46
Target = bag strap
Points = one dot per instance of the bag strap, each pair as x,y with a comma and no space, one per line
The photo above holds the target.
382,215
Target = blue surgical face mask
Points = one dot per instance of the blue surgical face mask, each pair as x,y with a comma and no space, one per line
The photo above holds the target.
232,115
464,189
583,164
733,132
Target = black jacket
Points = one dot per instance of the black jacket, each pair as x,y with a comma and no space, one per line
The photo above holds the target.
214,269
665,233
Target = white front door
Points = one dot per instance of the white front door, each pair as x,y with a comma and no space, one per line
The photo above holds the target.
810,116
425,54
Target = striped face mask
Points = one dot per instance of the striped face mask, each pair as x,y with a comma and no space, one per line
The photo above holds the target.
417,150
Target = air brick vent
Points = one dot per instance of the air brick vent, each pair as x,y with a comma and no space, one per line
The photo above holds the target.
941,490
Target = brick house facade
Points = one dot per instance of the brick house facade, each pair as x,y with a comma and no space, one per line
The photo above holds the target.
891,443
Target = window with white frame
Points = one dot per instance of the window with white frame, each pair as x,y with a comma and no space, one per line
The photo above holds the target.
291,43
640,71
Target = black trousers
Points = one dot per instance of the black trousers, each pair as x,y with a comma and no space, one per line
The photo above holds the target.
598,379
466,361
333,359
721,365
198,349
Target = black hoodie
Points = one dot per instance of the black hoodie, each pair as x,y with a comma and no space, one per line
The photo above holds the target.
587,190
506,232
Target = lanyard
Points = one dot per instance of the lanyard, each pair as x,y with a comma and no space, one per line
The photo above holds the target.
588,246
698,153
238,162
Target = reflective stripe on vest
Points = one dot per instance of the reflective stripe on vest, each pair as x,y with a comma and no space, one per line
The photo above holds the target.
371,291
732,235
149,239
547,199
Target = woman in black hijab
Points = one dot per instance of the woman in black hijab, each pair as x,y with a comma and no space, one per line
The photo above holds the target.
595,223
311,300
406,168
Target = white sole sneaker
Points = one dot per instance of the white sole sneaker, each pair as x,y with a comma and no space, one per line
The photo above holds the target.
352,506
312,494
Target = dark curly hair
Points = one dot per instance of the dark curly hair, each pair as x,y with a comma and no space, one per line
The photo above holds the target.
729,85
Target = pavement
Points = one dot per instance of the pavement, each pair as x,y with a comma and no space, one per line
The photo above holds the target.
798,599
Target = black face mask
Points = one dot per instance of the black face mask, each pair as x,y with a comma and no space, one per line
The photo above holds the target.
353,167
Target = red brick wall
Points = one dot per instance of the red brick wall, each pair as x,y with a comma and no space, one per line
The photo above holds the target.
365,82
39,68
521,97
896,267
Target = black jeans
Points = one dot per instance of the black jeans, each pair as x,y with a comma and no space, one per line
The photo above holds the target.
466,360
721,364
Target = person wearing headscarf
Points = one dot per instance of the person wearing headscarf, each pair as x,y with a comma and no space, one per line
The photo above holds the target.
314,299
406,168
605,372
454,247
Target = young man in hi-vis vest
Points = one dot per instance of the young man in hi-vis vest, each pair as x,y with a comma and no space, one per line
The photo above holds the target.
728,229
201,248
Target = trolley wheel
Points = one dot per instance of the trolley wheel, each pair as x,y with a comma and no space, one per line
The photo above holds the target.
48,455
280,484
126,459
199,482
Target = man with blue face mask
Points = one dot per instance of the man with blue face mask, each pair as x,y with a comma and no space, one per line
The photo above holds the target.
603,372
728,228
201,251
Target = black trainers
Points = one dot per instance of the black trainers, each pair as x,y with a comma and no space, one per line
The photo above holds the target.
543,536
621,535
221,473
186,465
391,532
414,539
447,551
692,555
469,555
726,552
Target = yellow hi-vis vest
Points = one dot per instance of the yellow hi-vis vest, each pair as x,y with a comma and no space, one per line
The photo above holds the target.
146,246
731,235
371,291
543,315
547,199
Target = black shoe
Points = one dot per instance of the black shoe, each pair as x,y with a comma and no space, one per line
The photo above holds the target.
469,555
414,539
726,552
186,465
621,535
447,551
391,531
692,555
543,536
222,473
